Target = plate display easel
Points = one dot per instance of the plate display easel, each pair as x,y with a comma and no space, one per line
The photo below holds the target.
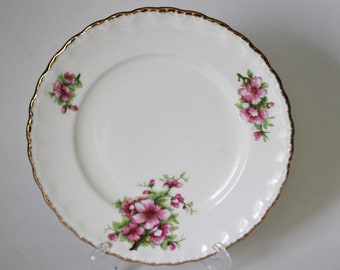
100,261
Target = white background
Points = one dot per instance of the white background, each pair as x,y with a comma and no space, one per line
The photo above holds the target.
301,39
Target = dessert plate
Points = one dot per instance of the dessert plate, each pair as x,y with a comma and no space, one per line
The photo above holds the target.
162,131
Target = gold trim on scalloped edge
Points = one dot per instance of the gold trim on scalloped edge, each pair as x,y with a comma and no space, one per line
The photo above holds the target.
126,13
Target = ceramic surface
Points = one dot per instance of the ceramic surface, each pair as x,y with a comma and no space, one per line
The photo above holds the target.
162,131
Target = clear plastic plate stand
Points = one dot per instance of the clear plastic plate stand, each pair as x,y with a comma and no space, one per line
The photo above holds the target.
101,261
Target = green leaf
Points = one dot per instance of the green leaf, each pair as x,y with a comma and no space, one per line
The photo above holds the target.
72,87
144,244
79,84
264,136
108,228
164,245
174,228
125,221
258,127
143,185
250,73
182,175
122,238
117,225
265,124
172,238
61,78
158,194
264,85
239,106
60,101
173,218
152,196
264,101
162,202
118,204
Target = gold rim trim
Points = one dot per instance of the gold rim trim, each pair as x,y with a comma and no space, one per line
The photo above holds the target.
127,13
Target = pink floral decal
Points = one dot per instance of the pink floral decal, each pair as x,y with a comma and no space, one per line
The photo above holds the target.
64,91
150,219
254,105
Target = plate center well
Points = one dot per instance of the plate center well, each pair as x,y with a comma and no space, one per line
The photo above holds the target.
160,114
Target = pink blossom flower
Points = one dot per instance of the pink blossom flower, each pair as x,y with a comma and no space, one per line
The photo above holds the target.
244,93
257,135
150,213
252,91
263,114
254,104
176,201
248,113
113,236
61,90
172,246
179,198
133,232
171,182
63,109
69,78
152,182
253,115
66,95
188,208
160,234
58,89
128,207
146,192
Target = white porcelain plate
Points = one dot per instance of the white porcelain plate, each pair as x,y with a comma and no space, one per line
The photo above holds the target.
162,131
